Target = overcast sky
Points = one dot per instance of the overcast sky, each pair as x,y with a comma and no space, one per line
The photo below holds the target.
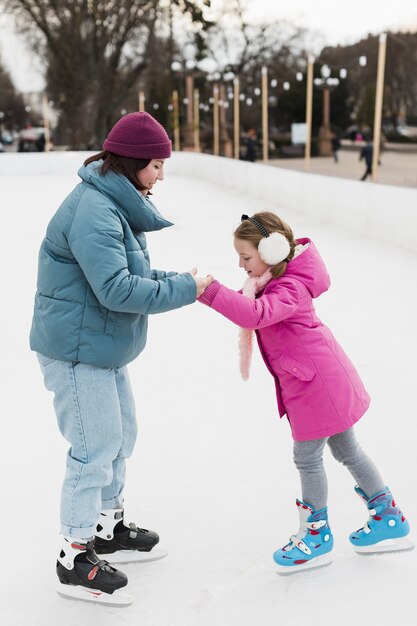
336,22
340,22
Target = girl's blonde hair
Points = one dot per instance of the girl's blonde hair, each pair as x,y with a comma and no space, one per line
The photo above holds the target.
249,232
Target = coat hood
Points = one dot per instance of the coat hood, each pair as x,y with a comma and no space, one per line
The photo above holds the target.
309,268
140,212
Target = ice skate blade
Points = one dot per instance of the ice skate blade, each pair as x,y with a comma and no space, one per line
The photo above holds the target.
321,561
118,598
134,556
388,545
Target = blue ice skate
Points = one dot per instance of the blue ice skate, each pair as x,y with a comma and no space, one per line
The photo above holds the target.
310,547
386,529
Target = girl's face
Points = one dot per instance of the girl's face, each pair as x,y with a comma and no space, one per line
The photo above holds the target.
150,174
249,258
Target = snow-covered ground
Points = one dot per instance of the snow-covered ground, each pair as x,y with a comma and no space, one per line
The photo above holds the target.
212,471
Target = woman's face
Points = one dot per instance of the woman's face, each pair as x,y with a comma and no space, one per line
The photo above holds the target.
150,174
249,258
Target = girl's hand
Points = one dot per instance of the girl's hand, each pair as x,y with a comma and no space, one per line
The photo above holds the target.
201,283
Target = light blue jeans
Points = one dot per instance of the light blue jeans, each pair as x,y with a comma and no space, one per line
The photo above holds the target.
95,410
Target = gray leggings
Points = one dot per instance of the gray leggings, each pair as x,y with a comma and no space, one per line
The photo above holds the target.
308,459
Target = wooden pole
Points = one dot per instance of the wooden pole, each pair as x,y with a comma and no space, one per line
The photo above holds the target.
216,120
378,102
176,120
309,110
141,101
189,123
265,139
197,120
225,142
236,117
45,113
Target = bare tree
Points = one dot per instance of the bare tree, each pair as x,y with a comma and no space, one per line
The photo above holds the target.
244,47
94,51
12,107
400,86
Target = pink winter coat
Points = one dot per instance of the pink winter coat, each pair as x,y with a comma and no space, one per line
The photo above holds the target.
317,386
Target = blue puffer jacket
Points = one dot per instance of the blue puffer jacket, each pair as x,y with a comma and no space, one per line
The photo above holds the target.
95,285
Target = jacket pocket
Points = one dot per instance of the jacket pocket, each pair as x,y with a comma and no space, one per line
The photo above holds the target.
295,368
110,323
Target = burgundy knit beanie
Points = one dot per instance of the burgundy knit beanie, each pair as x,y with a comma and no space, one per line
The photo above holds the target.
139,136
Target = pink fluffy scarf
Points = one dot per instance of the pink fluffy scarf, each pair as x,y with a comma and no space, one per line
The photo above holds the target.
250,289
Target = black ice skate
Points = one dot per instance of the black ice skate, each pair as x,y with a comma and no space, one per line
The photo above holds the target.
82,575
118,543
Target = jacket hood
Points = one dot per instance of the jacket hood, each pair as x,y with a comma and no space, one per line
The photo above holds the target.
309,268
139,211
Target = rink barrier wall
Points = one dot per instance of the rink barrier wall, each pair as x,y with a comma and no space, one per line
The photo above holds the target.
384,212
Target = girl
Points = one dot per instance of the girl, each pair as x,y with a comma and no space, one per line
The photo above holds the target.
95,291
317,386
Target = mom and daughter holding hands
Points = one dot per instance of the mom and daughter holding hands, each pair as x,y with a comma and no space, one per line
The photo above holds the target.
95,291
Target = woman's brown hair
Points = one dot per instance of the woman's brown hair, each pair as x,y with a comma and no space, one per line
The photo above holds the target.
249,232
121,165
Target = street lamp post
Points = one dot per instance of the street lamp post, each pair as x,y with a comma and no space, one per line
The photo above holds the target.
326,83
185,72
222,143
236,118
309,109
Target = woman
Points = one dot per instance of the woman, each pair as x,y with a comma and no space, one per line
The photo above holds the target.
95,291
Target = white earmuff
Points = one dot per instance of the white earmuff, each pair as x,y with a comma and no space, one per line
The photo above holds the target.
274,248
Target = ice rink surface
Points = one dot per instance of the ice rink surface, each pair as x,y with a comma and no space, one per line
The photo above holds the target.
212,471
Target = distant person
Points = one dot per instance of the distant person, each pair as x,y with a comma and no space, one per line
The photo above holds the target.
249,153
335,147
367,154
382,142
95,291
40,143
317,386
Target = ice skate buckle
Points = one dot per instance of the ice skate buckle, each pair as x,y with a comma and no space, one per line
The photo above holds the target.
299,543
